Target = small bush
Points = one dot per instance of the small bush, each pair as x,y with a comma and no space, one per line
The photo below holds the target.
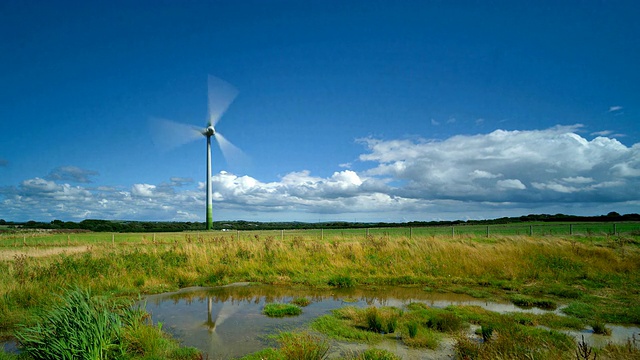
281,310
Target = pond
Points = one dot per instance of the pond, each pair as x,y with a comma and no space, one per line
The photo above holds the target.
227,322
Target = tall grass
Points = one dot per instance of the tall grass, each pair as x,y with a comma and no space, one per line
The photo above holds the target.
546,268
80,327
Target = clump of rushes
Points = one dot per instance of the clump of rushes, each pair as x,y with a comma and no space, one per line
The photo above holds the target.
377,354
77,325
302,346
528,302
341,281
301,301
281,310
445,322
600,328
374,320
412,328
83,327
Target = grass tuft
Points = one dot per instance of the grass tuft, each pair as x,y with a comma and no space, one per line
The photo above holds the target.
302,346
281,310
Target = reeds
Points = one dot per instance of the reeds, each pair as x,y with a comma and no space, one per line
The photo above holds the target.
80,326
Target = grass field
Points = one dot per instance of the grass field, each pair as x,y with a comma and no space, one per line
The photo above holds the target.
594,272
592,231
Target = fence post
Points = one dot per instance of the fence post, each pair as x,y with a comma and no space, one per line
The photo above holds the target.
487,230
322,234
570,229
282,234
237,234
410,233
530,230
367,232
453,231
614,228
113,239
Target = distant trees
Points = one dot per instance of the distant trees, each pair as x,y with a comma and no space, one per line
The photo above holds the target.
159,226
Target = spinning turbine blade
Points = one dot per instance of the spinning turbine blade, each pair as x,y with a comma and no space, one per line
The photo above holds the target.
167,134
221,95
231,153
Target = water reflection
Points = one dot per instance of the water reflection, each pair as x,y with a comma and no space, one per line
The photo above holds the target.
226,322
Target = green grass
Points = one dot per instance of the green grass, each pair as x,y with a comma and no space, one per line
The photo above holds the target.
529,302
80,326
281,310
301,301
377,354
342,329
597,276
302,346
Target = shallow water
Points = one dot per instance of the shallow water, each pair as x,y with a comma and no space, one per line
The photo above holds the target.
227,322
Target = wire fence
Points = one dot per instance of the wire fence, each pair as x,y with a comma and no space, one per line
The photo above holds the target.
48,238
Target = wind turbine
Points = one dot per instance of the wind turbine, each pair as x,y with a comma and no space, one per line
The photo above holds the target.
169,134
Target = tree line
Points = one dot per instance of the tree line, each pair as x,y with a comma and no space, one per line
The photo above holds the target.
97,225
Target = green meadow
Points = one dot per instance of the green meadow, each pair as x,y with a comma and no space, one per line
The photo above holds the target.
589,270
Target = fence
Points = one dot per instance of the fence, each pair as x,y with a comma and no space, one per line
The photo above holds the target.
537,229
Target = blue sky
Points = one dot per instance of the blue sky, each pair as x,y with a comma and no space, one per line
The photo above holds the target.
347,110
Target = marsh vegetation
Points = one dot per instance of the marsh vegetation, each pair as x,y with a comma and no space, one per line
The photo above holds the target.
594,279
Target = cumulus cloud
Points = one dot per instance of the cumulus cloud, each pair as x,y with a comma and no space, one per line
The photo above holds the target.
502,173
143,190
542,162
71,173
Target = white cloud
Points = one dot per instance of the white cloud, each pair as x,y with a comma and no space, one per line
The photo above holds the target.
578,180
615,108
511,184
555,159
145,190
502,173
481,174
602,133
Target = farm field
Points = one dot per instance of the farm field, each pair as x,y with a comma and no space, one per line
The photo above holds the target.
593,275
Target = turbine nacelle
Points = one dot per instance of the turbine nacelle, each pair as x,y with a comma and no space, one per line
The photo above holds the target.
209,131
